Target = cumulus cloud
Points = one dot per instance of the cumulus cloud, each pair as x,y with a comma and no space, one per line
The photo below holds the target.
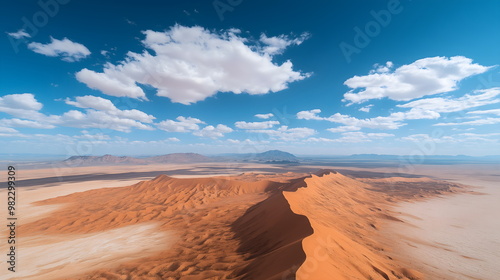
486,112
319,140
189,64
25,123
277,44
378,68
68,50
426,108
287,134
485,121
99,119
256,125
357,137
213,131
22,105
110,82
192,125
424,138
427,76
105,105
24,101
310,115
19,34
7,129
447,105
344,129
454,138
393,121
352,137
366,109
173,139
182,124
247,142
99,113
264,116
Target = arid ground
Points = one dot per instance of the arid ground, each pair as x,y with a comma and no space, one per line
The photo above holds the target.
256,221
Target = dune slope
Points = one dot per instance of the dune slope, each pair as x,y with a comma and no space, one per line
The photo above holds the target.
344,215
253,226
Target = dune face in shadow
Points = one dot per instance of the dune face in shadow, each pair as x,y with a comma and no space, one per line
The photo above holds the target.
252,226
271,235
197,212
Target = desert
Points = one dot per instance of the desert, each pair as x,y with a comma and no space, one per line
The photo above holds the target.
270,223
249,140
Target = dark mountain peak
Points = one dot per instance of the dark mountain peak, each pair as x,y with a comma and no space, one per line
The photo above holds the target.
276,156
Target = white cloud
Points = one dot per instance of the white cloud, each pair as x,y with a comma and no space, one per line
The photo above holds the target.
319,140
182,124
287,134
447,105
424,138
65,48
310,115
213,132
24,101
173,139
454,138
189,64
357,137
100,113
247,142
277,44
427,76
92,102
19,34
7,129
344,129
22,105
25,123
485,112
487,137
112,83
393,121
256,125
102,104
99,119
485,121
427,108
377,68
366,109
97,136
352,137
264,116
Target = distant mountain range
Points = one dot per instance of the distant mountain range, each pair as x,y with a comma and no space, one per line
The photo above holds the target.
112,160
273,156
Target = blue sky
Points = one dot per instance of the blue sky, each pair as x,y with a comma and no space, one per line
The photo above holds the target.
237,76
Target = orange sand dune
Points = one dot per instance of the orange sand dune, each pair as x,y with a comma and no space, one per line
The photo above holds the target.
273,226
344,216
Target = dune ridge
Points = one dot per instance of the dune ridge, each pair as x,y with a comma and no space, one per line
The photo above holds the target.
251,226
345,216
